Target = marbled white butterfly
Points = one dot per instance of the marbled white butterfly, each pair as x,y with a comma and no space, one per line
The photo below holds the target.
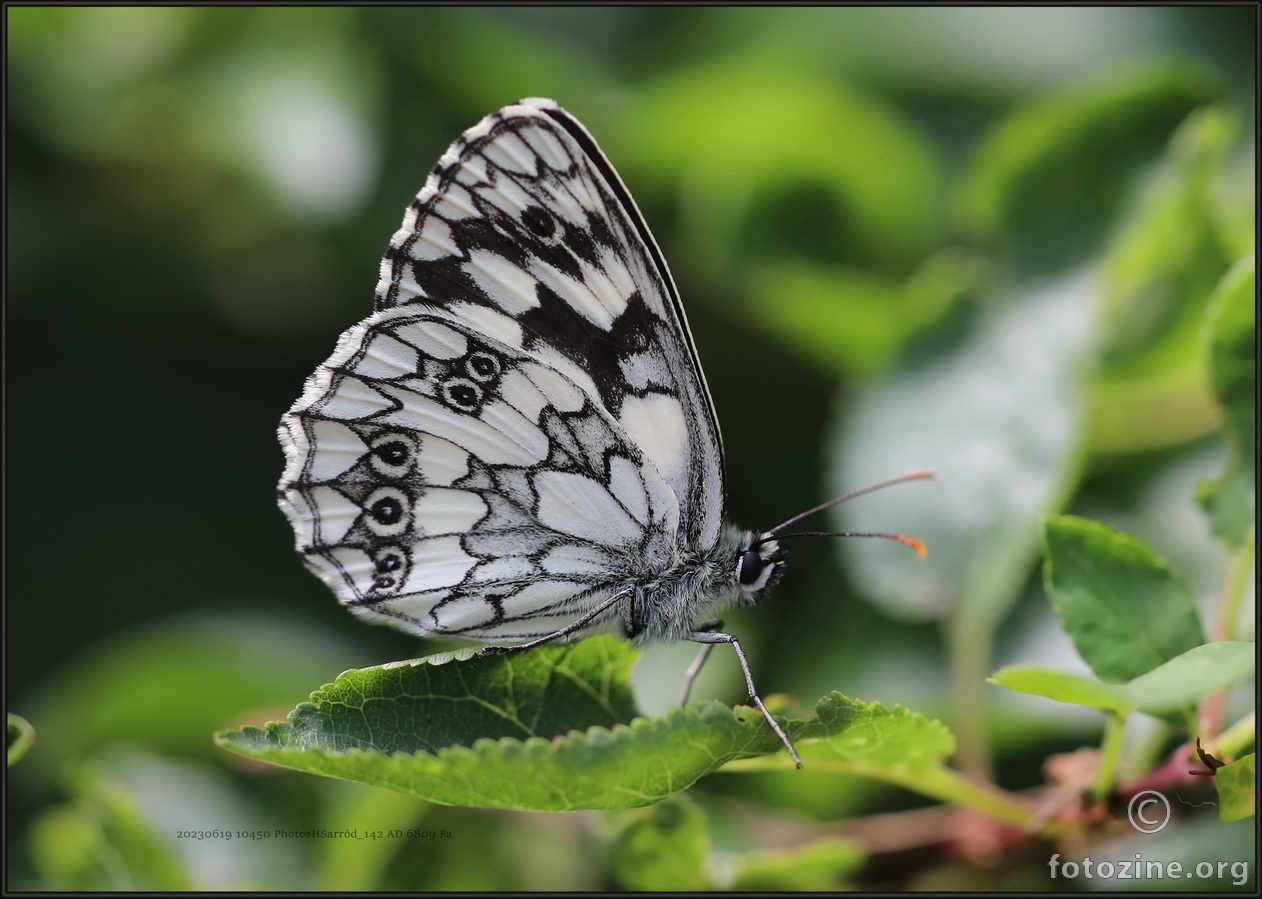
518,444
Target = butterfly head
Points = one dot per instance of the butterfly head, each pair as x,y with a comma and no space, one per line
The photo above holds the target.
758,565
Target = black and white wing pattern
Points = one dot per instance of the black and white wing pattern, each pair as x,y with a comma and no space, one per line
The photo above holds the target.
521,430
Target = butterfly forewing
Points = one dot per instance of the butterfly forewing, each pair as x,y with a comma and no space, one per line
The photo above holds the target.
525,231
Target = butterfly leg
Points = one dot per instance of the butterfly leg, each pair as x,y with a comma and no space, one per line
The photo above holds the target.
711,637
694,669
572,627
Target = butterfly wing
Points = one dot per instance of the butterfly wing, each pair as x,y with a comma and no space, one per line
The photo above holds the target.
521,429
525,230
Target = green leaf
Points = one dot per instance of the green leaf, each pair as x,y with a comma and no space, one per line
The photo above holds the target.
620,767
1158,277
554,729
1124,608
1237,789
663,848
1186,679
1176,686
1232,338
867,738
457,698
819,865
1162,268
1048,182
1076,689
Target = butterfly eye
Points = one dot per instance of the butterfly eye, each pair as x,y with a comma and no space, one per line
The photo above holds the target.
751,568
483,367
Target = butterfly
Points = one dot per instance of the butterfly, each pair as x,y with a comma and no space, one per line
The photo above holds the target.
518,445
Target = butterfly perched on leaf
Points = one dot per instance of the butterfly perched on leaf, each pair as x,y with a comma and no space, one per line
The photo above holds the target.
518,446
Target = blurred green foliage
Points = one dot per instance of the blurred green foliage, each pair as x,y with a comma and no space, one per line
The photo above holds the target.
1010,244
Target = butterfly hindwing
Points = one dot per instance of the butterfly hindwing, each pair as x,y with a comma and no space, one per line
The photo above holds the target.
449,482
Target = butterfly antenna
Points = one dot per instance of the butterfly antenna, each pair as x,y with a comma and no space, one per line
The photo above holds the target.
909,476
918,546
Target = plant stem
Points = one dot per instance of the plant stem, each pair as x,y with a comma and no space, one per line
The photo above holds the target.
950,786
1237,738
935,781
1110,752
1210,713
1233,590
968,646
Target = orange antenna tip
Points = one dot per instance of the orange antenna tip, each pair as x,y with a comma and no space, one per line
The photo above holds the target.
917,545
